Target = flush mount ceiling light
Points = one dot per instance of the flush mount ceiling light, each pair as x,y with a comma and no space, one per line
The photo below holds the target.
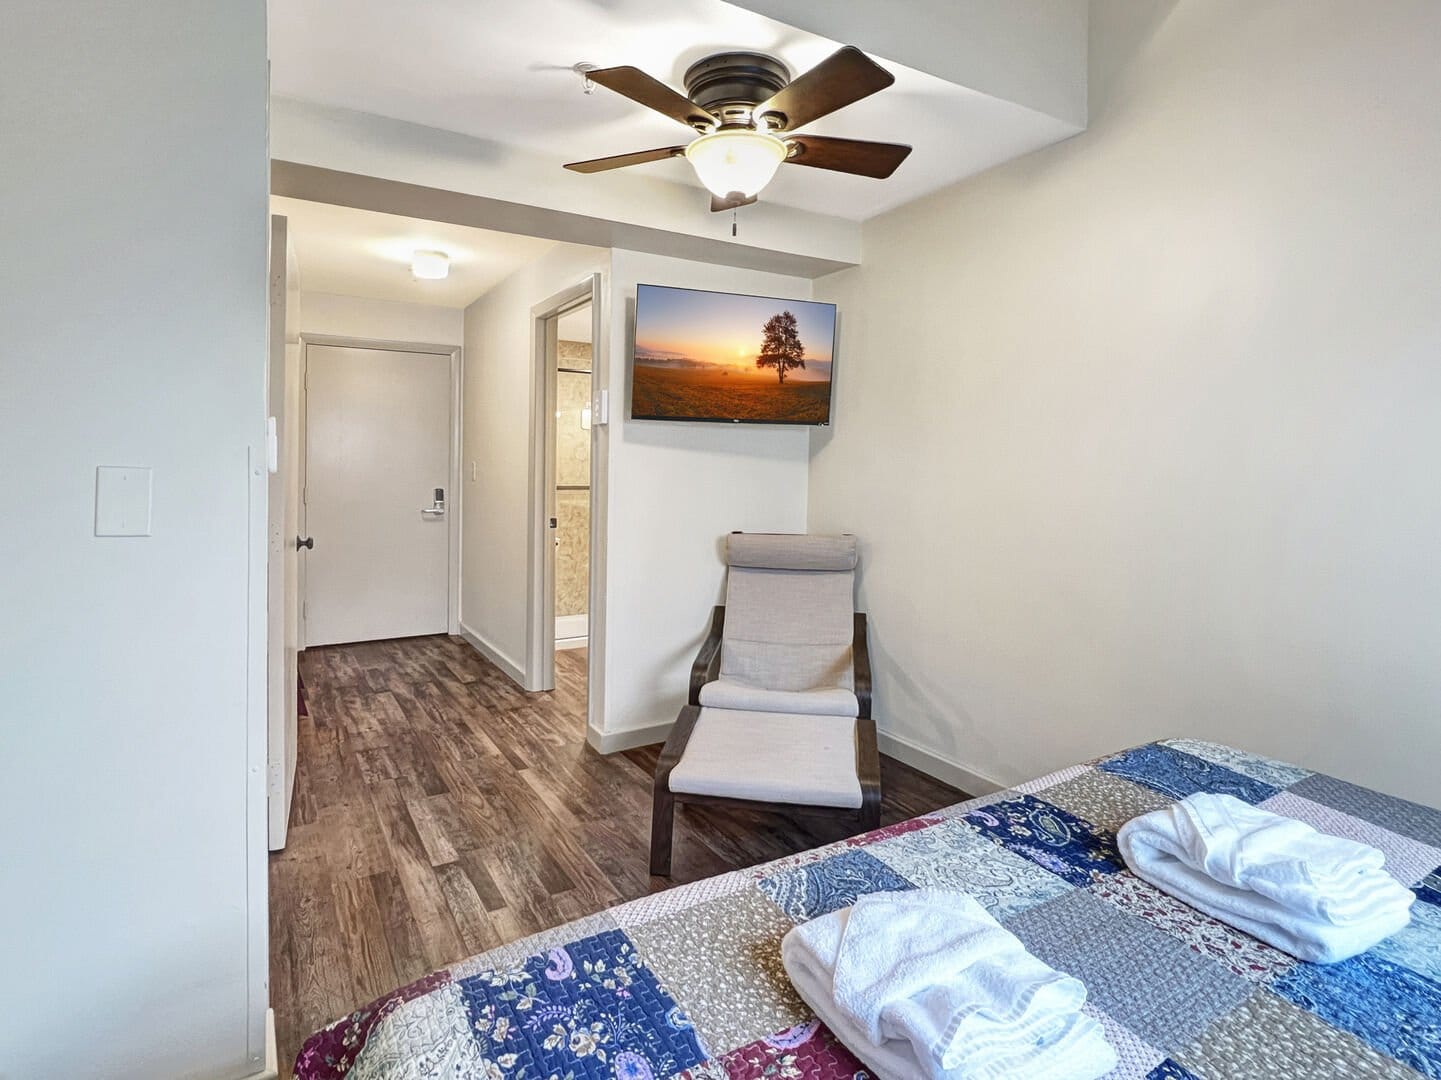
746,107
430,265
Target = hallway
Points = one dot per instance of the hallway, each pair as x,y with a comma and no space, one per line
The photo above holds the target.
440,811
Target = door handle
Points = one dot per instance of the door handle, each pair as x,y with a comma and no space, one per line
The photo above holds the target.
304,542
437,505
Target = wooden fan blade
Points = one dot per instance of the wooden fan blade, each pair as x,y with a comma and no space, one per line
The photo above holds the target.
874,159
842,78
641,88
730,202
620,161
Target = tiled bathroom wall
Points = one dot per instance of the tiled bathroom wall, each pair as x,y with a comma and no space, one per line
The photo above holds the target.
572,478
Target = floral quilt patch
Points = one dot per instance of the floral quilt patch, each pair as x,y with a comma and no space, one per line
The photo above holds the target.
806,1051
1050,837
1179,774
330,1052
589,1009
1243,954
954,856
804,892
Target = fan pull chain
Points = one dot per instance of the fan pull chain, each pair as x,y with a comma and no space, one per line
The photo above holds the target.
734,215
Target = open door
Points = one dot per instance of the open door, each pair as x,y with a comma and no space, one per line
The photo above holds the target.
562,509
282,585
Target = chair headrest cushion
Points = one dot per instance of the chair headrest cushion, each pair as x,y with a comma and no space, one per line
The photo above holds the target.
791,551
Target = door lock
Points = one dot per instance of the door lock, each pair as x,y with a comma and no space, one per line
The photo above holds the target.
437,506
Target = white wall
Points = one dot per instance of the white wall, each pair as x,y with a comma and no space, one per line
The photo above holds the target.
1140,432
381,320
495,505
674,491
667,493
133,296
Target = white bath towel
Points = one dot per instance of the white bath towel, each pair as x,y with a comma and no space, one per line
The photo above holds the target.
1320,898
926,983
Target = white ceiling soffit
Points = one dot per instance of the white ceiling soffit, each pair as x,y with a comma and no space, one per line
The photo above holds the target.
500,73
363,253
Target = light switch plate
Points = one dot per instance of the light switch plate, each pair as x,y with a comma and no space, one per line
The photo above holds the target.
122,501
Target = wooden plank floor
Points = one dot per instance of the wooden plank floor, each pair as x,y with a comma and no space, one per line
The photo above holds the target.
440,811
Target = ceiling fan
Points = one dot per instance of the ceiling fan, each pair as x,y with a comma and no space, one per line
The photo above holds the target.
747,108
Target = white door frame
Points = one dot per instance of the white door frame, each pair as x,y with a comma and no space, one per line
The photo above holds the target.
540,616
453,494
281,718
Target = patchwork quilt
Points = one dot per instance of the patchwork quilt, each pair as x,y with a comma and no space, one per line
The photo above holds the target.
688,983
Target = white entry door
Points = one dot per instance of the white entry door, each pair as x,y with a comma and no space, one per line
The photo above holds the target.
377,456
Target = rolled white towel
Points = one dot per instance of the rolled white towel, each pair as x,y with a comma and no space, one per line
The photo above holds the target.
1321,898
926,983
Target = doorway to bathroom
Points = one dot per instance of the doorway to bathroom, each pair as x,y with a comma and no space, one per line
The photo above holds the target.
573,363
566,627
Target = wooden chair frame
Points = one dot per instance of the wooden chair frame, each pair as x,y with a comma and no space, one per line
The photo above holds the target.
707,669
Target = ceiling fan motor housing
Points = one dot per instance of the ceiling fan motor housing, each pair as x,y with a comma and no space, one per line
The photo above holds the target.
731,84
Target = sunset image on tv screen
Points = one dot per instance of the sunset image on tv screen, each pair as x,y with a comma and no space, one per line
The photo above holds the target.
720,356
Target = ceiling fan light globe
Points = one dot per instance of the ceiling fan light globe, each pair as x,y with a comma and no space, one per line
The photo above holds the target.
731,161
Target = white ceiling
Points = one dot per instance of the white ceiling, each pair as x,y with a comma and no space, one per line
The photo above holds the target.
500,71
366,254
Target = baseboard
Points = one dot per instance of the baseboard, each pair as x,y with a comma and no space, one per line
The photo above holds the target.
612,742
272,1055
935,765
572,631
494,655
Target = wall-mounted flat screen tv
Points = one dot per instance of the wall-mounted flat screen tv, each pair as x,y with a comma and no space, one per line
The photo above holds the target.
731,358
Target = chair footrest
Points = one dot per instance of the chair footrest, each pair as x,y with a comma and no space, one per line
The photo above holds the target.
771,757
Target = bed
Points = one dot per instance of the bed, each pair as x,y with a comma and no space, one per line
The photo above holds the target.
688,983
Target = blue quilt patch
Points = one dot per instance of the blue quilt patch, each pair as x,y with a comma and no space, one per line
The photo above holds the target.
1429,888
1169,1070
589,1009
805,892
1389,1006
1178,774
1417,947
1050,837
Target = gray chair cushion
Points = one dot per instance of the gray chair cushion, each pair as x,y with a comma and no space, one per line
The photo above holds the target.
808,760
789,629
791,551
729,694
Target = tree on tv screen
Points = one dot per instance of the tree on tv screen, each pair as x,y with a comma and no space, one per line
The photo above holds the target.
781,346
